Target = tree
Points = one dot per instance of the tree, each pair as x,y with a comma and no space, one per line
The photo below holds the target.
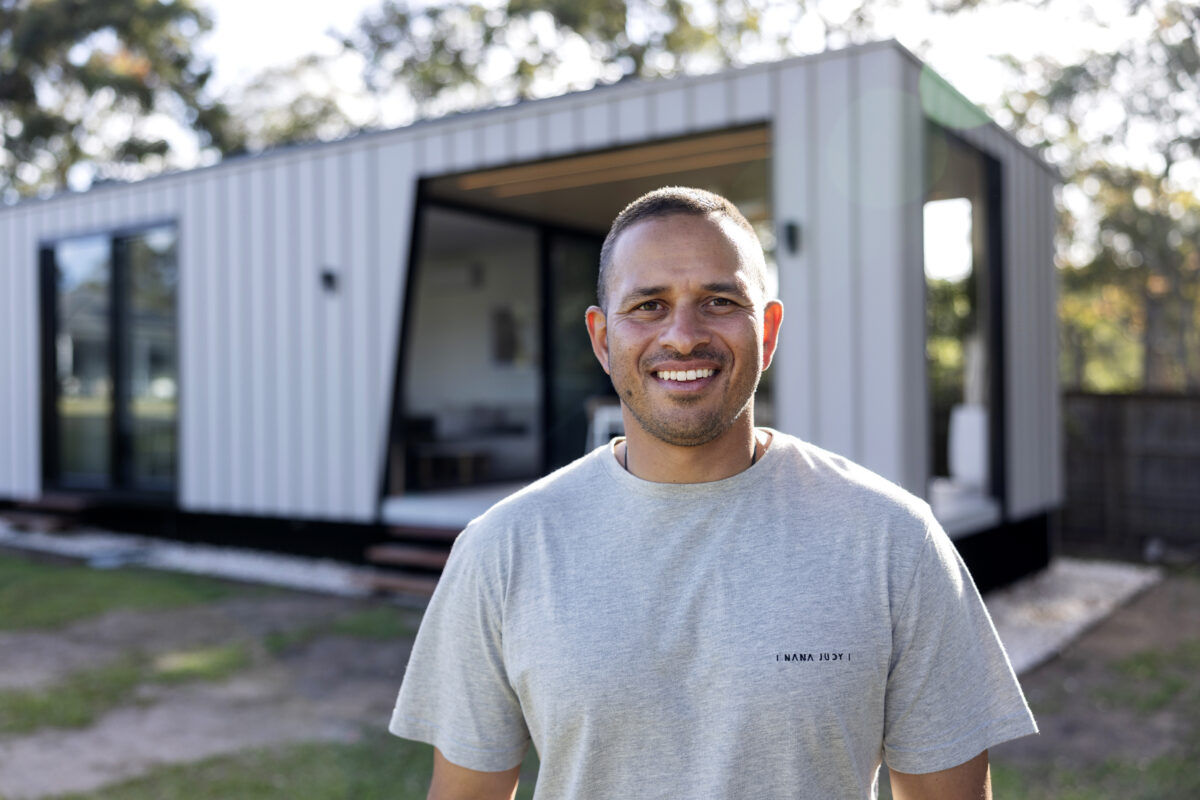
87,88
449,56
287,105
1124,128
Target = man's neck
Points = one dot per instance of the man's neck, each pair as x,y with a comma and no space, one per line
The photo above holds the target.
652,459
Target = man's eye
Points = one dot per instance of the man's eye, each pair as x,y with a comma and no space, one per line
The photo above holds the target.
722,301
649,305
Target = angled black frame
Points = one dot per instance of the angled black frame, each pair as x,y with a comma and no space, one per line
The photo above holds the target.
545,231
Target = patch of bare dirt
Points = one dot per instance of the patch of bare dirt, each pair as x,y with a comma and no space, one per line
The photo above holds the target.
1093,708
326,688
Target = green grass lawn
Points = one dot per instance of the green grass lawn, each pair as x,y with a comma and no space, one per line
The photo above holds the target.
79,699
380,623
377,767
37,594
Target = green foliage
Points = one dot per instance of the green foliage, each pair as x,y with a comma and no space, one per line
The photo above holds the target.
44,595
454,55
1131,215
71,69
288,105
376,767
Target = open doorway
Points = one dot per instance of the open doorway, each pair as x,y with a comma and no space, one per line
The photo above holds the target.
498,369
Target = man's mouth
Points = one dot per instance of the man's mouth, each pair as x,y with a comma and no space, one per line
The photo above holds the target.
684,375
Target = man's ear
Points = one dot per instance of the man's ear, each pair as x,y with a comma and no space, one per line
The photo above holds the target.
597,327
772,319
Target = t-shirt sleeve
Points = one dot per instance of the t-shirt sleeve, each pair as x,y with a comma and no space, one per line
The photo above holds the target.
951,692
455,694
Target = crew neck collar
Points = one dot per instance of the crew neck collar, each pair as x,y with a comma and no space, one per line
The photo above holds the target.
632,482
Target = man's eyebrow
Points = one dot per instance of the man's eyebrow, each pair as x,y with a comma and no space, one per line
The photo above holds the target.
717,287
643,291
726,288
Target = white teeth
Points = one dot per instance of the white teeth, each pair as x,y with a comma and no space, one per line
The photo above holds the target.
684,375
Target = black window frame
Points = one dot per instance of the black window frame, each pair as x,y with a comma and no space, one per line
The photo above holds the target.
119,485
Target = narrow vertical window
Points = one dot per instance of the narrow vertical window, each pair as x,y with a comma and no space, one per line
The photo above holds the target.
83,368
113,355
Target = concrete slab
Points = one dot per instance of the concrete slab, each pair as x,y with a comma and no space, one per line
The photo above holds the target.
1040,615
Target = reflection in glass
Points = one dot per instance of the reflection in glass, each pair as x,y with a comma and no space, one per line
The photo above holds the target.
84,403
152,373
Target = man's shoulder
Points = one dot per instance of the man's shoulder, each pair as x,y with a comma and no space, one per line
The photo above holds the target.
834,480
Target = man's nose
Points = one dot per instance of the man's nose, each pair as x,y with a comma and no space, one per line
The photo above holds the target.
685,330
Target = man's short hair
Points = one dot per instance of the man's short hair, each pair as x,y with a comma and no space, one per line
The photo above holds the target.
664,202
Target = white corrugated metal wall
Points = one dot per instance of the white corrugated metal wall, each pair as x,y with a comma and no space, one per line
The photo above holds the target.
286,387
848,171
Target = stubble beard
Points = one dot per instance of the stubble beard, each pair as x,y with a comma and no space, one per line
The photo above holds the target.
688,431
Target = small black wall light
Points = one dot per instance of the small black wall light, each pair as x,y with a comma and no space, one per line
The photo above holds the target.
791,237
329,279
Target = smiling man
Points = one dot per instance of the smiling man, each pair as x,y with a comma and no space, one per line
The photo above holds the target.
703,608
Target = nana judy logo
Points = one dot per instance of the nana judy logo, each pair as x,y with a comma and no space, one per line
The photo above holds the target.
814,657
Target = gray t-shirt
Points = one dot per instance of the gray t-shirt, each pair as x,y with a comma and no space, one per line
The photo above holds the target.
770,635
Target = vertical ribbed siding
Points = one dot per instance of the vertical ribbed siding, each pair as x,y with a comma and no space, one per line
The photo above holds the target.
792,163
892,418
834,221
20,464
287,383
848,153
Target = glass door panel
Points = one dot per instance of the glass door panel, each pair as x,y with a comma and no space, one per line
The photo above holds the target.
151,373
112,415
574,375
83,282
472,399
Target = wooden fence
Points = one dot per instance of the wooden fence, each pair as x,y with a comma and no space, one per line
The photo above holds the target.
1132,472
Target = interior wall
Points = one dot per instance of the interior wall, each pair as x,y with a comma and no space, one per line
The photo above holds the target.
453,310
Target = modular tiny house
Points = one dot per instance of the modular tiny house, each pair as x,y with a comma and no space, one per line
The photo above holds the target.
388,329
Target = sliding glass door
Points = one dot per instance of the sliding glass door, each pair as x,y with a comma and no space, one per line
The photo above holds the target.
111,370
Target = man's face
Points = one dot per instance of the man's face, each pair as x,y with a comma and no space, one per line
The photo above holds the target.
688,331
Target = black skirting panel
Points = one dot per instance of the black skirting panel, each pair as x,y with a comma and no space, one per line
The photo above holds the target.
998,556
314,539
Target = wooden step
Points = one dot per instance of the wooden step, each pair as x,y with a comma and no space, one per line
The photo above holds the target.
401,583
38,522
409,555
56,503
